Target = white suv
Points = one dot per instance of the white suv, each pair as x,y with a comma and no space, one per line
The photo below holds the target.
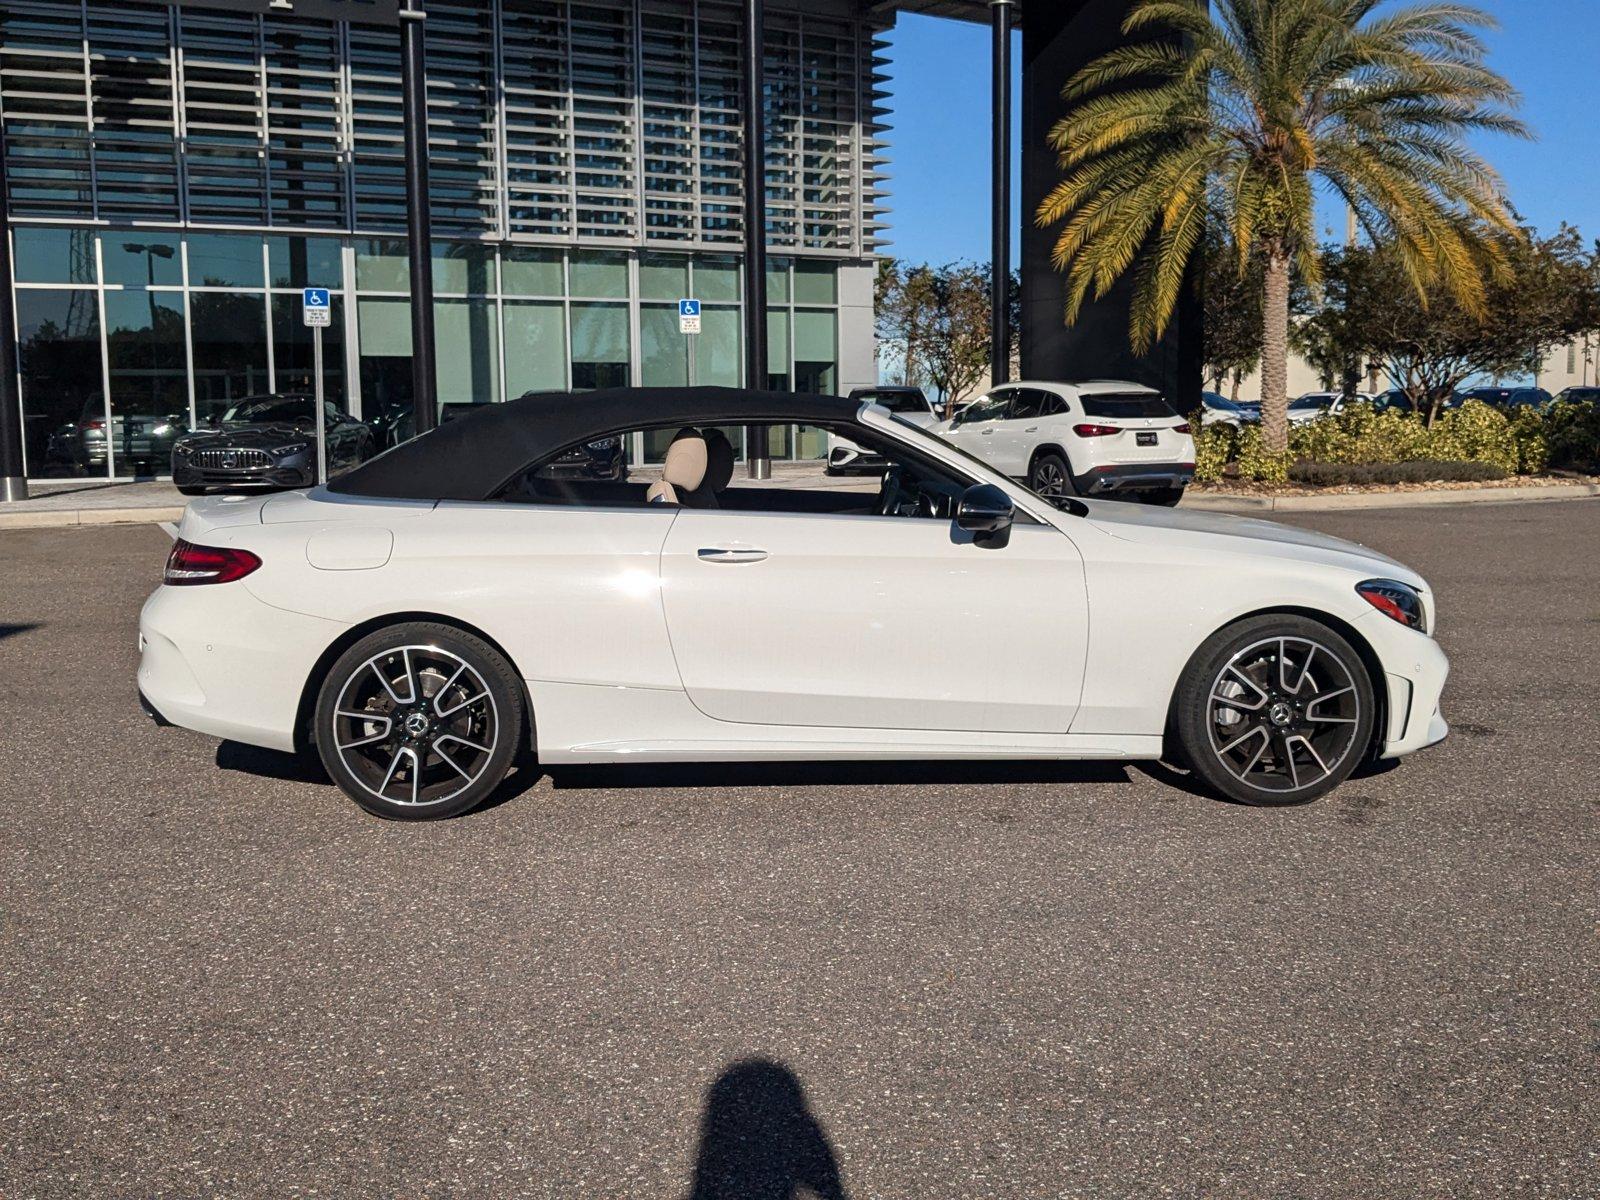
1101,437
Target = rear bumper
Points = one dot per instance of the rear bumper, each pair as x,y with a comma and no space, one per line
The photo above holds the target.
1134,477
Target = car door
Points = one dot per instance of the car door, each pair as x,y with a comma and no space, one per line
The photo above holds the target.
975,429
1016,435
868,622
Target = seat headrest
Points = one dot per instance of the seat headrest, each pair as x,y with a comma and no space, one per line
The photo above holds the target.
719,461
685,464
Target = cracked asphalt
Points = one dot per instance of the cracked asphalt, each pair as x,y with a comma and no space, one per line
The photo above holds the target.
220,978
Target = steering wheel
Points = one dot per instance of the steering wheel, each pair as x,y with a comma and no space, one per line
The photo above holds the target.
889,492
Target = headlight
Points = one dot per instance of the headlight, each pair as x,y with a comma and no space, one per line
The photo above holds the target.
182,451
291,448
1395,600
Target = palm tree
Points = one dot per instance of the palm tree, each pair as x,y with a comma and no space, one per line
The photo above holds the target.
1233,113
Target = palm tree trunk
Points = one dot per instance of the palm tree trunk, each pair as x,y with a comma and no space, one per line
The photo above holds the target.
1275,353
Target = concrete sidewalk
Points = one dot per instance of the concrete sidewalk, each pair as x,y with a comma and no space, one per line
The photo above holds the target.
92,502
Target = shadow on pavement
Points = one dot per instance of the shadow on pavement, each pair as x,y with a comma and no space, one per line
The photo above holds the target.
271,764
12,630
759,1140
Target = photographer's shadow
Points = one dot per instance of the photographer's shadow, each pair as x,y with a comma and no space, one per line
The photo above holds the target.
760,1141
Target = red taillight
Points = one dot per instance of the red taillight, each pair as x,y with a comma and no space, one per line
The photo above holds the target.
1095,430
1184,428
97,423
191,564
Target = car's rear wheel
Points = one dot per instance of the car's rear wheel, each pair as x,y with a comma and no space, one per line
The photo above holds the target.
419,721
1275,710
1050,476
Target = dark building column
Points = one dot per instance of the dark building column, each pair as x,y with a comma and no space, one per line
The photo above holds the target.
1000,12
419,223
754,153
1058,39
13,480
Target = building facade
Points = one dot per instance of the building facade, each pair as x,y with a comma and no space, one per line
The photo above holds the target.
177,173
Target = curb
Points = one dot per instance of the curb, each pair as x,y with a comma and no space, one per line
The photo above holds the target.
1222,502
55,519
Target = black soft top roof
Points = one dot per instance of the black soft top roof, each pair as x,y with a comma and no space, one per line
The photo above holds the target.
475,455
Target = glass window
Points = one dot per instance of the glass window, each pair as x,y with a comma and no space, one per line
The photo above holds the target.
382,266
816,351
815,283
1026,406
137,258
716,278
664,277
63,405
599,274
985,408
149,378
224,260
777,281
663,351
536,348
778,351
599,346
528,272
468,351
384,330
52,254
298,262
719,348
463,267
293,356
229,335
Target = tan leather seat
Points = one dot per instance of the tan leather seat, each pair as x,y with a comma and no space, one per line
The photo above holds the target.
683,471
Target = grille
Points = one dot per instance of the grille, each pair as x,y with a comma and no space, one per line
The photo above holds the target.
231,460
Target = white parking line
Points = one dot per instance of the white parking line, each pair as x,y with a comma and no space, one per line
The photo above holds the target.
170,529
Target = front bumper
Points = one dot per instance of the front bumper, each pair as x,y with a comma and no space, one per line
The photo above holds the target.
1414,673
287,473
1134,477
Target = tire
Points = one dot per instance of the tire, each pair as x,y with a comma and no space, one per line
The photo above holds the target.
1051,475
419,756
1253,738
185,489
1165,497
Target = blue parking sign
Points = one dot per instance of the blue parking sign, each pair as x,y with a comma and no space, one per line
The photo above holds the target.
688,308
316,308
315,297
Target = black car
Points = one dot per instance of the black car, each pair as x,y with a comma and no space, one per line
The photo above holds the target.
1507,397
1579,395
267,441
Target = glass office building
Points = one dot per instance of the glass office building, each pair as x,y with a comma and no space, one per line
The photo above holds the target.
177,174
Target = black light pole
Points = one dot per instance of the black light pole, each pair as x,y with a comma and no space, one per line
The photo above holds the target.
1000,184
751,95
13,475
419,236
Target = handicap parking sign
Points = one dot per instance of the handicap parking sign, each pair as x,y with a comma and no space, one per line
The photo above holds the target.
688,316
317,306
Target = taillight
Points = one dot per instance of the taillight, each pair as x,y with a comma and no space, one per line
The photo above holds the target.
97,423
1395,600
1095,430
191,564
1184,428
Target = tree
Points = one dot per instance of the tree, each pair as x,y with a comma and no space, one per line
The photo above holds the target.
939,319
1233,110
1232,317
1548,295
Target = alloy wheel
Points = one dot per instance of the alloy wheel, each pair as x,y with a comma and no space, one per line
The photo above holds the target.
1283,714
415,725
1049,479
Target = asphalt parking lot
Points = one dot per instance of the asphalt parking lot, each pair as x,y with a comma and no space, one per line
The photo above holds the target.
218,977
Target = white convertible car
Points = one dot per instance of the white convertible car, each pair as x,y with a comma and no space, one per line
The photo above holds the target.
457,602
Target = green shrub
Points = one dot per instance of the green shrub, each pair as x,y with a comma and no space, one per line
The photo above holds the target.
1213,450
1475,433
1321,474
1572,436
1528,427
1256,462
1360,435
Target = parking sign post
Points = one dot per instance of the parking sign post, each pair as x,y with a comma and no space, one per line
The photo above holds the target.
318,315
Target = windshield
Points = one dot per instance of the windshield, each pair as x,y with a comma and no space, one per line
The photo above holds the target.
270,410
1486,393
1124,404
1312,400
1581,394
896,401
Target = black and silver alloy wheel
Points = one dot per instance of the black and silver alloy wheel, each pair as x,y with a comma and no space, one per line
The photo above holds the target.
1051,477
418,721
1275,710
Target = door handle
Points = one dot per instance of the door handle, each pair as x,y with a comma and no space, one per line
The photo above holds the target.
987,432
1031,429
730,554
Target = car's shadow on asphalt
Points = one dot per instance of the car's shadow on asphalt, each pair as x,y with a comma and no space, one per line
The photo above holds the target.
270,764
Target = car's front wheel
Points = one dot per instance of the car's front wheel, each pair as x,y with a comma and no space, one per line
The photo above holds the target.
1275,710
1050,476
419,721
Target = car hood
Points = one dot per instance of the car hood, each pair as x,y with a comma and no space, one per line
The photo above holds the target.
262,437
1244,535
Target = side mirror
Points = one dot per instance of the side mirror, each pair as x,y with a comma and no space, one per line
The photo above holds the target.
986,512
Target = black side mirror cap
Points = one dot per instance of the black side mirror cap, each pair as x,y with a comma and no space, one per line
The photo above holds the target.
986,512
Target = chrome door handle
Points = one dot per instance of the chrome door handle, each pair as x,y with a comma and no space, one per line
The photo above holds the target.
987,432
1031,429
730,554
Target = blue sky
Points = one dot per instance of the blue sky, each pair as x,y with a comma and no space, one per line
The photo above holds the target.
940,141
